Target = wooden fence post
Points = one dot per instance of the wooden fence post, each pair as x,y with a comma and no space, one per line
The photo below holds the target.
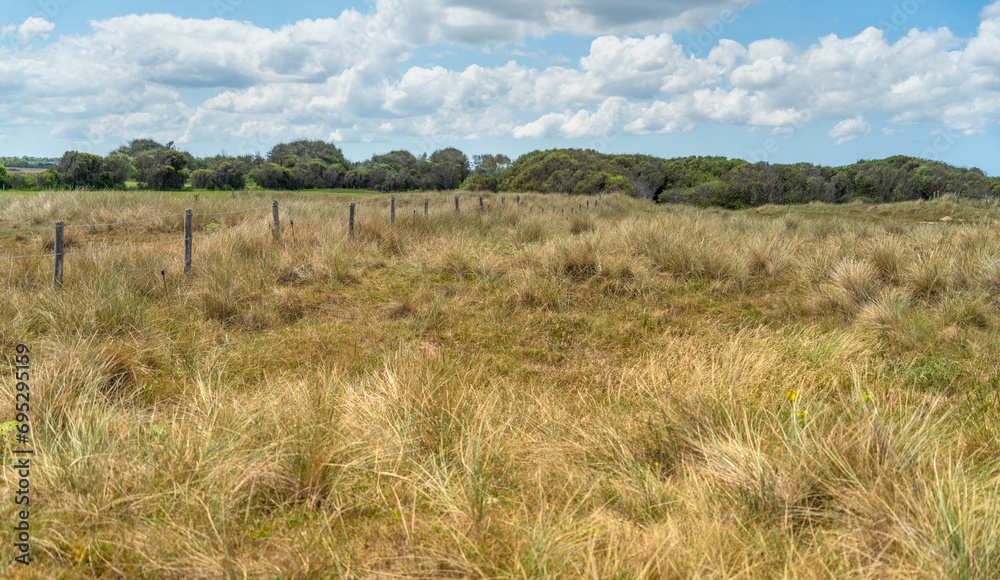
456,203
501,200
350,223
481,204
392,210
425,207
188,240
58,253
277,222
519,200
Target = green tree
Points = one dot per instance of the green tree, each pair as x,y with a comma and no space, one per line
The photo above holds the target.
481,182
273,176
448,168
161,171
137,147
201,179
78,169
115,171
6,181
490,164
229,174
303,151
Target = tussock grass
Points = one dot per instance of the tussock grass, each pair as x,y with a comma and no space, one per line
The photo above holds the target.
633,391
853,284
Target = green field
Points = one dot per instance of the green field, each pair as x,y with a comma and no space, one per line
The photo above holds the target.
631,391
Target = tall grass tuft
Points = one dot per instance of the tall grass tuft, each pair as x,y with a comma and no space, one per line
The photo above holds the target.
852,285
928,275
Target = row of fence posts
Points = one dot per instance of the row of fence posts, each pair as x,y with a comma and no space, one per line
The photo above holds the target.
59,255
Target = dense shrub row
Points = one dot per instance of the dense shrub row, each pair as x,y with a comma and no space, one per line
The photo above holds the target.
702,181
733,183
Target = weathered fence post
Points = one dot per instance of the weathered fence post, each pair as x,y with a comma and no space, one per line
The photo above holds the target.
188,240
277,222
392,210
481,203
350,223
456,203
519,200
425,207
58,253
501,200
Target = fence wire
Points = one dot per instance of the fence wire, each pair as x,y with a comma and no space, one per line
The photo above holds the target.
290,208
230,232
231,212
121,248
117,272
23,257
159,217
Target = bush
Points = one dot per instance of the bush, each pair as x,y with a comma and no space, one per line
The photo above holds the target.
164,170
202,179
273,176
78,169
26,181
478,182
229,175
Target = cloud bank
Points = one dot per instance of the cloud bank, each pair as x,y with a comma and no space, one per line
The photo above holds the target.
348,79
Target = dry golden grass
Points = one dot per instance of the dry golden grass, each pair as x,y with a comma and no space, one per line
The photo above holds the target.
630,391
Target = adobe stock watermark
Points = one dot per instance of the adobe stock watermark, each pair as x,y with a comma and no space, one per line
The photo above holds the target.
124,104
377,25
224,7
474,101
48,10
944,138
707,39
604,141
901,14
772,145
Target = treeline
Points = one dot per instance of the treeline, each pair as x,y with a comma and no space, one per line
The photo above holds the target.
734,183
29,162
297,165
705,181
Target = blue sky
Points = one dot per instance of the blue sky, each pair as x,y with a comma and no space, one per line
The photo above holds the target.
773,80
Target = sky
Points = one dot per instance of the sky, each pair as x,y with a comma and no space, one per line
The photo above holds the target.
781,81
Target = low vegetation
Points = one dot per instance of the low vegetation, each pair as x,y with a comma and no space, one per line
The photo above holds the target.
622,391
699,181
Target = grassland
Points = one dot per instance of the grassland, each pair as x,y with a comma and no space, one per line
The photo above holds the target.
631,392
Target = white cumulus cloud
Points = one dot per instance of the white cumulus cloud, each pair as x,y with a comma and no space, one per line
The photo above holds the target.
34,28
849,130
